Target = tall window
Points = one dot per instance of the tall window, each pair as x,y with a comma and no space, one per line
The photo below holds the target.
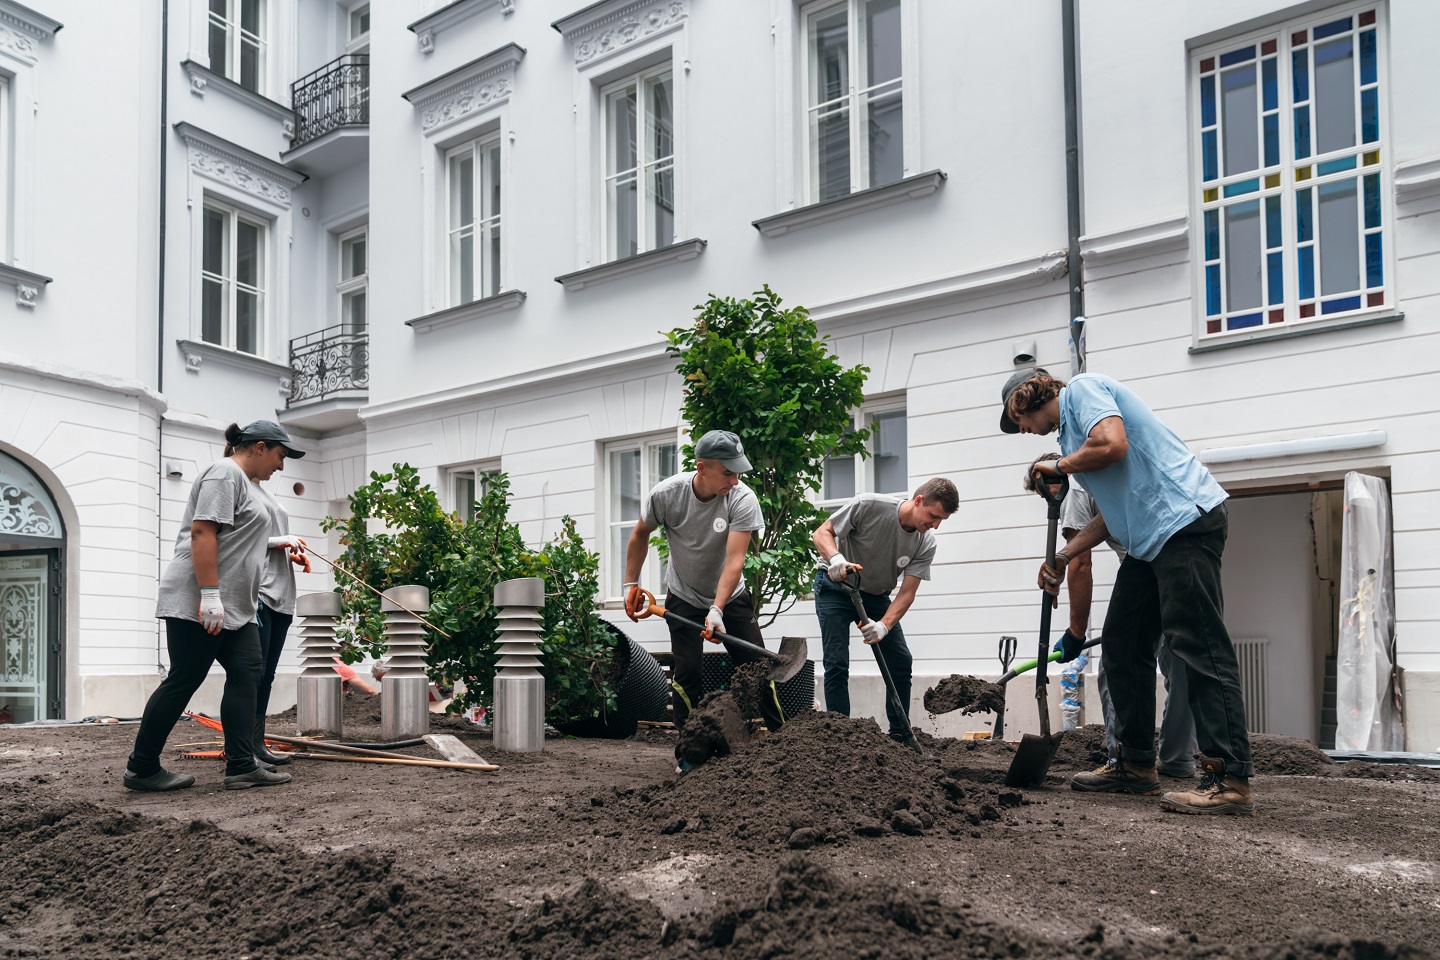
853,96
357,29
469,484
237,41
638,180
354,281
473,189
1290,141
6,175
232,279
886,470
632,467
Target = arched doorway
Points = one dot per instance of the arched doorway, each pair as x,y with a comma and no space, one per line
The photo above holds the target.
31,583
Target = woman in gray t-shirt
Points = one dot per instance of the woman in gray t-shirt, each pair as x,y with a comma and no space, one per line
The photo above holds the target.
207,598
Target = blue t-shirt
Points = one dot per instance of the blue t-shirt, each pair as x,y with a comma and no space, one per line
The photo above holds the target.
1158,488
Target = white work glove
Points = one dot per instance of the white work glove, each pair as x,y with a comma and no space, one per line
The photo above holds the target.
714,623
839,568
291,543
212,611
874,631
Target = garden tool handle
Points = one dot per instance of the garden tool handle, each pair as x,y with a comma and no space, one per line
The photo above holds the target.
1044,480
854,592
653,609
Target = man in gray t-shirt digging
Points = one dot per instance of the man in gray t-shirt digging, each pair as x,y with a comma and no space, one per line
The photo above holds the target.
890,540
709,517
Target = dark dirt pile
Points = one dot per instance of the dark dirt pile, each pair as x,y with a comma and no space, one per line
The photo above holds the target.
1288,755
719,725
966,694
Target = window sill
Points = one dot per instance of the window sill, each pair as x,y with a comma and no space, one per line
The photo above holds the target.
202,78
1299,331
28,286
911,188
474,310
197,352
615,269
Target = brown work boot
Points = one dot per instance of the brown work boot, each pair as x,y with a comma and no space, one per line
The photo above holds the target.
1218,792
1119,776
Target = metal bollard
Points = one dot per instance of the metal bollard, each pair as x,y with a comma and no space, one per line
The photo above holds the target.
405,688
319,693
519,685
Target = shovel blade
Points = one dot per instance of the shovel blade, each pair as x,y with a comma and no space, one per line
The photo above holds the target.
1032,760
790,660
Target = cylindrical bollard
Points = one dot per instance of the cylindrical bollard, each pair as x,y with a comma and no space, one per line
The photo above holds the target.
319,693
405,688
519,685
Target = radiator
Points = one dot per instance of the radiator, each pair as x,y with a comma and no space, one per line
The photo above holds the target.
1252,652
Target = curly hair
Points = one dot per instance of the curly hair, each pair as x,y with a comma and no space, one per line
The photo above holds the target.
1033,394
1029,480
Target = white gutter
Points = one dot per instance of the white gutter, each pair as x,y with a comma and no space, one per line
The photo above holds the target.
1303,446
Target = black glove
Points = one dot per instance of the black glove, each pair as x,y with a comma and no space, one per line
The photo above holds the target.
1070,646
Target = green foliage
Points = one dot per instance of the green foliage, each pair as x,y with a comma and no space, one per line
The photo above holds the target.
414,541
765,373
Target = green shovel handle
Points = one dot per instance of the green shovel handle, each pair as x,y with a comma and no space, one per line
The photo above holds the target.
1025,666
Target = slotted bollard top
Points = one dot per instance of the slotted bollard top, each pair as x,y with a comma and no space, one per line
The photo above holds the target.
521,592
414,597
317,605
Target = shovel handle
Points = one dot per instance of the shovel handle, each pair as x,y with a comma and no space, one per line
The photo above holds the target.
1026,665
653,609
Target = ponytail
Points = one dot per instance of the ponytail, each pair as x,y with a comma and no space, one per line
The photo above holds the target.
233,435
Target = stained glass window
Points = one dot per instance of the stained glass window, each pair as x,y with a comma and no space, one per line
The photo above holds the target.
25,506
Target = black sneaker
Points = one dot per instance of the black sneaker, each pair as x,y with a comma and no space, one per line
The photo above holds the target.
158,782
259,777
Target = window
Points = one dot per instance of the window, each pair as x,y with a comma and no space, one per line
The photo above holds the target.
469,484
887,470
232,277
1290,140
473,192
854,107
632,468
357,29
237,44
354,281
638,180
5,171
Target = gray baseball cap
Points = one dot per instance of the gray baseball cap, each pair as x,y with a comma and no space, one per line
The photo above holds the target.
1018,377
724,446
272,433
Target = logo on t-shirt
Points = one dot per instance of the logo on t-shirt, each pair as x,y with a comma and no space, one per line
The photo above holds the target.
902,562
719,524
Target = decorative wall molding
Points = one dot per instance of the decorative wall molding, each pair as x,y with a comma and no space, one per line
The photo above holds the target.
56,373
482,83
911,188
1145,240
197,352
1417,178
428,26
474,310
615,269
604,29
23,29
28,285
229,163
202,78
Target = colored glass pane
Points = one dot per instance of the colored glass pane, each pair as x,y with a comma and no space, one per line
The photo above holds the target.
1340,305
1369,115
1269,84
1241,188
1242,256
1307,273
1272,139
1376,299
1335,166
1212,195
1243,55
1307,309
1212,326
1368,73
1334,95
1338,223
1277,316
1374,262
1267,48
1372,158
1304,222
1367,18
1332,28
1208,155
1212,289
1207,101
1302,132
1300,75
1207,64
1245,320
1272,181
1212,235
1372,201
1302,173
1298,38
1239,118
1272,223
1275,279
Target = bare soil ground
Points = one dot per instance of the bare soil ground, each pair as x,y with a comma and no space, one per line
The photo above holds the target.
824,840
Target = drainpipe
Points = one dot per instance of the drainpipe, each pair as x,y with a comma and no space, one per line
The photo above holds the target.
160,301
1074,268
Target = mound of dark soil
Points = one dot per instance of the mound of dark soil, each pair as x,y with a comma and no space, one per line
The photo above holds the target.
1288,755
966,694
1388,771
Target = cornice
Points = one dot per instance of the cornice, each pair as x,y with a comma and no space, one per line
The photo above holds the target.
230,163
1145,240
28,285
428,26
1417,178
202,78
85,378
605,28
474,310
483,82
196,352
31,22
910,188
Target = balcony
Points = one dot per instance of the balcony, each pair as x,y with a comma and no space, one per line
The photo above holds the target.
332,117
330,378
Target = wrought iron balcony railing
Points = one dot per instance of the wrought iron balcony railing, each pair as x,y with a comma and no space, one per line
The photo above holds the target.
337,95
333,360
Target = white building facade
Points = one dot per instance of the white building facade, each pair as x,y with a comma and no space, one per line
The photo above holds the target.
464,258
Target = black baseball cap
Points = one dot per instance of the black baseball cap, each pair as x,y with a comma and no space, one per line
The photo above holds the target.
1018,377
272,433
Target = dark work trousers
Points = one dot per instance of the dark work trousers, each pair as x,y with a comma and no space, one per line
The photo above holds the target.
687,645
837,614
192,651
273,627
1177,594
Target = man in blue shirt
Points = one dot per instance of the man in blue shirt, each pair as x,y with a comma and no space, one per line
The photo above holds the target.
1165,508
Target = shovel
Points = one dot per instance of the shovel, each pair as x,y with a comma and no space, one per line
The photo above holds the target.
1007,657
890,691
1034,755
794,651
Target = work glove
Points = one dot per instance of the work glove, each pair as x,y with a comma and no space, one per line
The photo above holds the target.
634,603
874,631
212,611
1030,471
1069,646
1051,577
838,568
292,543
714,623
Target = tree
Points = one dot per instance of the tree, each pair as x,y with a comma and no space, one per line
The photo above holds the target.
765,373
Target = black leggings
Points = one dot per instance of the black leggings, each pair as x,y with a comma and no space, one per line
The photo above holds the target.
192,651
273,627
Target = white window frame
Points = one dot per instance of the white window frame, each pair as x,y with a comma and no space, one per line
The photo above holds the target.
478,475
1283,181
652,576
347,287
356,42
235,39
7,169
864,416
487,162
232,288
643,169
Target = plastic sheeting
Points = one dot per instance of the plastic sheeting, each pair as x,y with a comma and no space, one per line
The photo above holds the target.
1367,712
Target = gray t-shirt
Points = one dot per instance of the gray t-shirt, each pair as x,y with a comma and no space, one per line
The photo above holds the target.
277,584
1078,510
224,495
696,532
868,532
